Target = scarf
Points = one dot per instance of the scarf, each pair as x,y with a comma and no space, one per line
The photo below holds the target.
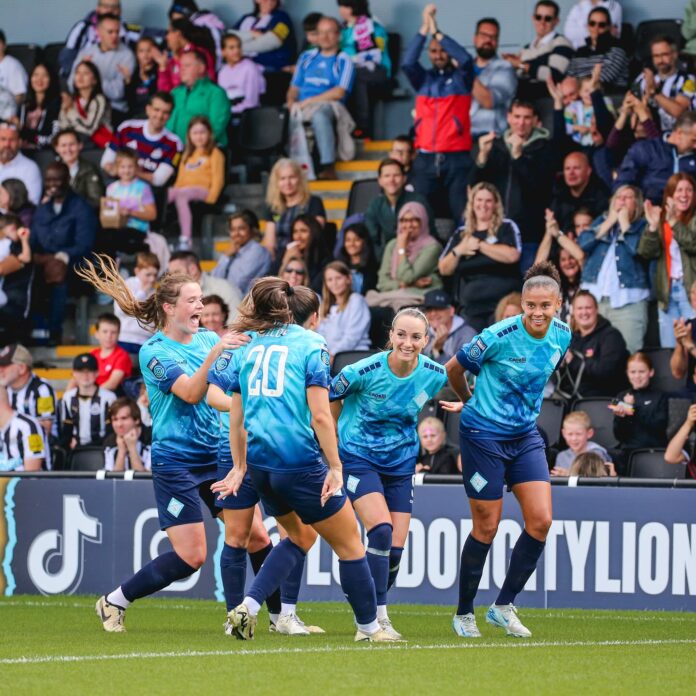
415,246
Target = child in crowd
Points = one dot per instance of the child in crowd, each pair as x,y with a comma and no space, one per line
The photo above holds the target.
11,231
577,432
240,77
124,448
591,464
114,363
142,84
579,114
582,220
676,452
201,176
640,413
437,456
142,285
402,151
85,416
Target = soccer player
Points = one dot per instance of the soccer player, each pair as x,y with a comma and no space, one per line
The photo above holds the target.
500,443
279,418
378,443
175,363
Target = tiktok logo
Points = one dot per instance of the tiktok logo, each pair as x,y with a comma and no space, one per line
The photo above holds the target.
55,559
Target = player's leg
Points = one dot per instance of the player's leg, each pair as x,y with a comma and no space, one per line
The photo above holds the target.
399,496
259,547
233,559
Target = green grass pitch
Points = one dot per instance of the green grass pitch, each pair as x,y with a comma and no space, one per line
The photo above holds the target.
53,646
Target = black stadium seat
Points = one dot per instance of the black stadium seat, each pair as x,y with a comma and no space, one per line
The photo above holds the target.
361,194
551,419
663,379
650,463
349,357
26,53
87,459
602,420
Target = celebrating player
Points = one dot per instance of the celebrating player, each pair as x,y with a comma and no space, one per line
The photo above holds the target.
175,363
500,442
279,410
378,443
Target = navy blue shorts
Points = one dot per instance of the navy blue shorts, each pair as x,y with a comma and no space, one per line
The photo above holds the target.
298,492
397,490
488,465
179,495
246,495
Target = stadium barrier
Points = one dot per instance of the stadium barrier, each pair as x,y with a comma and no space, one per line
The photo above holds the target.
620,544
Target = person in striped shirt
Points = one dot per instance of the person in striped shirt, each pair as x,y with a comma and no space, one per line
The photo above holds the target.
22,442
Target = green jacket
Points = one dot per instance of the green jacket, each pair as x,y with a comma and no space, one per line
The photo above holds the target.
652,246
88,183
205,98
408,273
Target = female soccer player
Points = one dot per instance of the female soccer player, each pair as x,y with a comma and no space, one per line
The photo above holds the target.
279,418
500,443
175,363
378,441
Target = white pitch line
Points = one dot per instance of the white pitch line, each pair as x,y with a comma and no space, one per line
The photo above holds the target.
517,645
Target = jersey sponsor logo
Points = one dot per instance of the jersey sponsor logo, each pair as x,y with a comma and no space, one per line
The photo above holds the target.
478,482
352,483
45,406
36,443
175,507
378,396
325,358
157,368
341,384
518,360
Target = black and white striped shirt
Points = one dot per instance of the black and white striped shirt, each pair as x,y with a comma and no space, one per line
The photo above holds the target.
21,439
679,83
111,452
86,418
36,398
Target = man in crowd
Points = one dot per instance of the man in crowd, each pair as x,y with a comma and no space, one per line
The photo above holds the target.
14,165
448,331
443,102
23,446
402,151
13,76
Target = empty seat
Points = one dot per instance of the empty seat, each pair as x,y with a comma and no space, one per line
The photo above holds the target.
26,53
663,379
650,463
348,357
51,51
87,459
602,420
361,195
550,419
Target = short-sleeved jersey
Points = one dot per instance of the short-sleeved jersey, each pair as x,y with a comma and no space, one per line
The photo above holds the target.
222,375
21,438
380,411
512,369
272,373
316,73
36,398
184,436
153,150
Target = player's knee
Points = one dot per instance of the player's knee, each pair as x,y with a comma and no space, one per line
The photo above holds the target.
257,539
539,526
195,558
485,530
240,539
304,538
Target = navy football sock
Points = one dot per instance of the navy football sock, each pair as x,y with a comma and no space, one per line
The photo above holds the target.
359,589
523,561
156,575
470,569
394,564
233,572
276,568
257,560
379,540
290,589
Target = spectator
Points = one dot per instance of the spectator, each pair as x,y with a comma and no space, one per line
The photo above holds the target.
85,178
187,262
584,122
613,271
15,165
670,88
495,82
402,151
634,122
201,176
442,123
548,55
14,199
577,431
579,188
27,393
365,40
483,256
85,419
307,242
357,253
520,165
197,95
240,77
215,315
8,106
591,465
11,232
576,29
23,443
144,407
287,196
294,272
601,48
13,76
448,332
142,83
16,278
246,260
204,20
508,307
114,363
128,451
142,284
86,110
409,263
382,212
320,85
596,360
344,317
640,412
38,113
682,362
569,88
437,456
114,61
676,449
62,234
157,147
310,22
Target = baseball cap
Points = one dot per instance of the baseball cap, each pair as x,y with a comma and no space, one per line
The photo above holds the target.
85,361
15,354
436,299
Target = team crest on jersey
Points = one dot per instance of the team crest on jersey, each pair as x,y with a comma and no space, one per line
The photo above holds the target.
477,349
325,358
157,368
95,409
341,384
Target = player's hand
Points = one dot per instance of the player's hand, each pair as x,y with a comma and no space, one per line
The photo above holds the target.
231,341
332,483
452,406
230,485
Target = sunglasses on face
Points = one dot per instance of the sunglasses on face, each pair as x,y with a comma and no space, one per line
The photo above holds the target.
544,18
599,25
296,271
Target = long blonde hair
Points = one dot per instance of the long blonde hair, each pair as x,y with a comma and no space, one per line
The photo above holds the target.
104,277
469,218
275,199
327,297
264,306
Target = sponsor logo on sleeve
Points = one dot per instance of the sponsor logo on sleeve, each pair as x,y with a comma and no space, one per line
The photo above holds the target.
341,384
157,369
44,406
477,349
36,443
325,358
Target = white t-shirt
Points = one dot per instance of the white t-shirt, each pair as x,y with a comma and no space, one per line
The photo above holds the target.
13,76
26,170
131,331
5,245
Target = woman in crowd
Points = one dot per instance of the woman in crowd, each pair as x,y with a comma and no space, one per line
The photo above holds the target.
245,259
215,314
294,272
676,452
357,253
671,239
142,84
240,77
482,256
38,114
344,317
307,242
508,306
14,198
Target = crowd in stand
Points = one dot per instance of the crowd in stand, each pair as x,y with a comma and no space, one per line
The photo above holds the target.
567,150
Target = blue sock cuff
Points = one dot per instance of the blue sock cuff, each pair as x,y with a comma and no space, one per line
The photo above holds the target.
234,554
530,543
289,542
379,539
356,562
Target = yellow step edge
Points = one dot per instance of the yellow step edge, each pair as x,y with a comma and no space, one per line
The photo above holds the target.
335,185
358,166
336,204
207,265
377,145
72,351
221,244
53,373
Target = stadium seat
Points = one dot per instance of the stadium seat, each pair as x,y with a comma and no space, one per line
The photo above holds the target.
544,108
92,155
361,194
51,51
26,53
452,427
650,463
87,459
348,357
648,30
550,419
602,420
444,227
663,379
42,157
380,322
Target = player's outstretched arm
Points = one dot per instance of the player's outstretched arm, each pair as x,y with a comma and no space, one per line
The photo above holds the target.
457,379
325,429
218,399
238,449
